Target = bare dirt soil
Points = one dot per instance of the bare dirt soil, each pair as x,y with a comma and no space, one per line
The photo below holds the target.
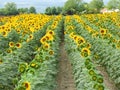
65,79
108,82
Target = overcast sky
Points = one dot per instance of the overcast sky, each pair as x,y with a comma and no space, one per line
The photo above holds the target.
40,5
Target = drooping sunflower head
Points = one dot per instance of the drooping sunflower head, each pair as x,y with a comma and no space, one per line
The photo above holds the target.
100,87
88,45
51,52
23,67
71,35
75,37
80,40
9,50
11,44
85,52
27,85
46,46
34,65
4,33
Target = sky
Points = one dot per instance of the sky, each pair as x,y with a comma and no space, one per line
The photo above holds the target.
40,5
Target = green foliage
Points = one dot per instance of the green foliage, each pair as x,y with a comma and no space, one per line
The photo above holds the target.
95,6
32,10
53,10
73,7
113,4
11,9
23,10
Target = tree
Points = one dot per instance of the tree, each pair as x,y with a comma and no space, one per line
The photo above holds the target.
58,10
2,11
11,9
48,11
73,6
53,10
23,10
32,10
95,6
113,4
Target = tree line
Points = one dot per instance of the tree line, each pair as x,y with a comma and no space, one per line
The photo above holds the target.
80,7
11,9
70,7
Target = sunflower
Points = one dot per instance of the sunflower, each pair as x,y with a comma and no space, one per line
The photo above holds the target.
94,78
75,37
51,52
51,32
1,61
34,65
11,44
43,40
46,58
28,40
46,46
100,87
9,50
100,80
49,37
27,85
85,52
118,46
4,33
71,35
31,36
91,72
32,29
88,45
103,31
23,67
18,45
80,40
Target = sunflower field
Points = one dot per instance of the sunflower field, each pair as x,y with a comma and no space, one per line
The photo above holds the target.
29,50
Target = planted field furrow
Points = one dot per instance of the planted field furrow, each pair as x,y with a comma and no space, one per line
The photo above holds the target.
42,52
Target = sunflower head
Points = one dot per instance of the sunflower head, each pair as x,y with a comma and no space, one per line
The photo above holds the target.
18,45
1,61
27,85
100,87
103,31
11,44
80,40
51,32
23,67
9,50
49,37
85,52
31,36
46,46
43,40
51,52
100,80
34,65
91,72
94,78
4,33
71,35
